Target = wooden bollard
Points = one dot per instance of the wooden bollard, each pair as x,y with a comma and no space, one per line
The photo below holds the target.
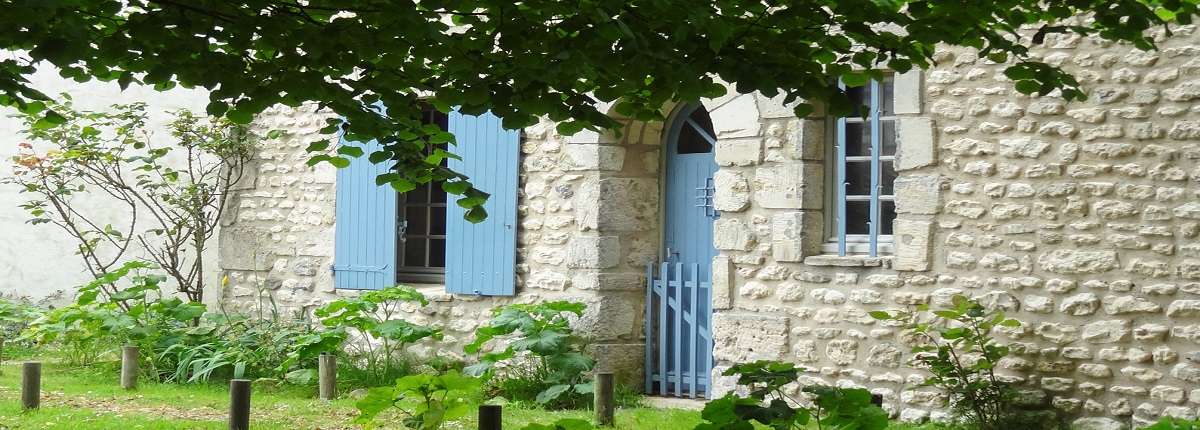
129,367
605,409
327,376
490,417
239,404
31,385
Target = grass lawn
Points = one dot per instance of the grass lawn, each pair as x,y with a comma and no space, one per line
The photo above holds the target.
86,399
78,399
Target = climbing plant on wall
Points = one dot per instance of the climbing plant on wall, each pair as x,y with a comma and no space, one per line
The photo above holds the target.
529,59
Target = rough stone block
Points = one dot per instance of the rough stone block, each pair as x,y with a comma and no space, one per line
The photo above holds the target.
240,250
732,234
732,191
593,252
739,152
608,281
611,316
915,143
918,194
742,338
1075,262
795,235
579,156
737,117
617,204
789,186
913,244
624,360
722,283
908,93
806,139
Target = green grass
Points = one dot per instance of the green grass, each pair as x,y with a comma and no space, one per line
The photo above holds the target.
80,399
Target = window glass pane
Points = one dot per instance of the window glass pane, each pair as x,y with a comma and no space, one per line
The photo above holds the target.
860,97
887,96
858,213
887,214
858,178
691,141
437,221
414,252
417,195
887,176
858,139
417,220
437,253
437,193
888,137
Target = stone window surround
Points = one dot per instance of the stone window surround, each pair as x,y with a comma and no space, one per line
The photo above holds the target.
917,194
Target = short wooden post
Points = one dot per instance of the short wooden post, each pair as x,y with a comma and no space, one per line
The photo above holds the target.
490,417
31,385
129,367
605,409
327,376
239,404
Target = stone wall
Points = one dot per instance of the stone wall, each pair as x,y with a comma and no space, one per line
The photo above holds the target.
277,243
1076,218
1079,219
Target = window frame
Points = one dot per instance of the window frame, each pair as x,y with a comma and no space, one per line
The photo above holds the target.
422,274
874,243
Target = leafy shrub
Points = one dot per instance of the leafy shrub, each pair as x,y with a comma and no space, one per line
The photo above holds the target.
769,404
543,358
379,339
14,317
957,348
238,346
425,401
101,319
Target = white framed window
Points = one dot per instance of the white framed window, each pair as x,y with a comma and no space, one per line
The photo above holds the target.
861,202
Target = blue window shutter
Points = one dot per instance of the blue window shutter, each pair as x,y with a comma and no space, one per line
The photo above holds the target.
481,258
365,229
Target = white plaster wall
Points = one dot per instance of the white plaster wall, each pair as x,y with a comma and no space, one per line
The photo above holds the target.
39,261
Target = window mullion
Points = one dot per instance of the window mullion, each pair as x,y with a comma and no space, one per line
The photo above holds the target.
840,183
876,137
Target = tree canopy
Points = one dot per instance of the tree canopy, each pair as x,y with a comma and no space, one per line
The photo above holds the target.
527,59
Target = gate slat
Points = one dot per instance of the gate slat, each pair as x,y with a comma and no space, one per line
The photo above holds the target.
663,328
679,330
694,328
709,344
649,316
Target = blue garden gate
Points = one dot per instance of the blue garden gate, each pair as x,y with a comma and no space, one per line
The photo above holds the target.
679,289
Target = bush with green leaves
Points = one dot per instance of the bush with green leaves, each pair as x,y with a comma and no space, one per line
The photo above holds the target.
542,358
102,319
378,338
240,346
956,346
15,315
768,403
424,401
562,424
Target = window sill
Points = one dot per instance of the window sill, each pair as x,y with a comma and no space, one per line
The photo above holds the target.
834,260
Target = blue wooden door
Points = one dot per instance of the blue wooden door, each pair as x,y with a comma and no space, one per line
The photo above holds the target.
688,248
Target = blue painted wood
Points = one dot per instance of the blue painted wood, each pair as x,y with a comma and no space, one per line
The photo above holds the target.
693,330
481,258
688,244
365,228
648,364
665,273
876,137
